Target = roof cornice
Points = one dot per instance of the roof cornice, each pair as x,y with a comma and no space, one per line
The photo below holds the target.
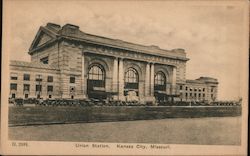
122,48
65,32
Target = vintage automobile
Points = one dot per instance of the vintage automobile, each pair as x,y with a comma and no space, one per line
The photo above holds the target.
18,102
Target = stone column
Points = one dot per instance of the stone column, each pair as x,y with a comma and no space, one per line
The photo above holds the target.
147,80
115,76
152,78
174,80
83,78
121,80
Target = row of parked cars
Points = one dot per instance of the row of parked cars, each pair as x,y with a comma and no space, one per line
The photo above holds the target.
200,103
226,103
74,102
98,102
184,103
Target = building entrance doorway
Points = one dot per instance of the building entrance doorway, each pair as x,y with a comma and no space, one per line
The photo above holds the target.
96,82
160,87
131,88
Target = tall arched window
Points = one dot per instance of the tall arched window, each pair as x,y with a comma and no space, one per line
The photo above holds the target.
160,81
96,82
96,73
131,76
131,81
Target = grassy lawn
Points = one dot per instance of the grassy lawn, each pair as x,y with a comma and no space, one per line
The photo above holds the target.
204,131
23,116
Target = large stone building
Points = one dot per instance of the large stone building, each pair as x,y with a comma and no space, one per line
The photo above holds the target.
68,63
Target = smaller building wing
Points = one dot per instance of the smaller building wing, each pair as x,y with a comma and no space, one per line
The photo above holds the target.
32,65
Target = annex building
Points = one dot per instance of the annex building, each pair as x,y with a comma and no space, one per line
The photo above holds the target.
71,64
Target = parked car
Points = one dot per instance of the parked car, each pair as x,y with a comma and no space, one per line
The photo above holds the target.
18,102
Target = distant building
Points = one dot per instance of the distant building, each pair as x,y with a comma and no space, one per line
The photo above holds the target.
68,63
201,89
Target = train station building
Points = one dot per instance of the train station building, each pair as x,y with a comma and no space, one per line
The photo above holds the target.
71,64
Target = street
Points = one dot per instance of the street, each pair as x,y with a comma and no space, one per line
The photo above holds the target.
203,131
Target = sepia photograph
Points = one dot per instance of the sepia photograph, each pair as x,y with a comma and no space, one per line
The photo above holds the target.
125,77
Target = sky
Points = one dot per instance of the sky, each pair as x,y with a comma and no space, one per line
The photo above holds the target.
212,34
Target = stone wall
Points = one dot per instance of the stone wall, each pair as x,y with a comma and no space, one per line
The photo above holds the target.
70,64
51,52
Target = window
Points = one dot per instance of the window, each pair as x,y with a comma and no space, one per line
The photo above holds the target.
13,96
212,89
95,81
186,94
190,94
96,73
13,76
26,87
50,88
72,79
199,95
50,78
50,96
39,77
195,89
38,88
131,76
72,97
203,95
71,89
180,87
160,79
131,81
13,86
203,89
26,77
45,60
194,94
212,95
186,88
26,96
190,89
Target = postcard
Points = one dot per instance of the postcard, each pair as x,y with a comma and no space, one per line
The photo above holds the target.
124,77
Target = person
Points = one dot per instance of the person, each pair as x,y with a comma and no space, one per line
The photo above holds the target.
40,101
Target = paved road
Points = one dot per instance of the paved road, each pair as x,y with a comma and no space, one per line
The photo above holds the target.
224,130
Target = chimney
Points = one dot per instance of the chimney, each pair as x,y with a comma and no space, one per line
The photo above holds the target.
178,50
53,26
70,30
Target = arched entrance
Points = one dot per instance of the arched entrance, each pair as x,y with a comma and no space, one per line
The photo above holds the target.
96,82
131,87
160,86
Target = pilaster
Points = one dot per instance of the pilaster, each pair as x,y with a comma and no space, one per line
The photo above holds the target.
173,85
83,77
121,80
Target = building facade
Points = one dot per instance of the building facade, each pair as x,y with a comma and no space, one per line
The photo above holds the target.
68,63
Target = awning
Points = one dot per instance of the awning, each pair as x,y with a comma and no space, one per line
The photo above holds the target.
174,95
164,93
98,88
161,92
112,93
98,92
103,92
